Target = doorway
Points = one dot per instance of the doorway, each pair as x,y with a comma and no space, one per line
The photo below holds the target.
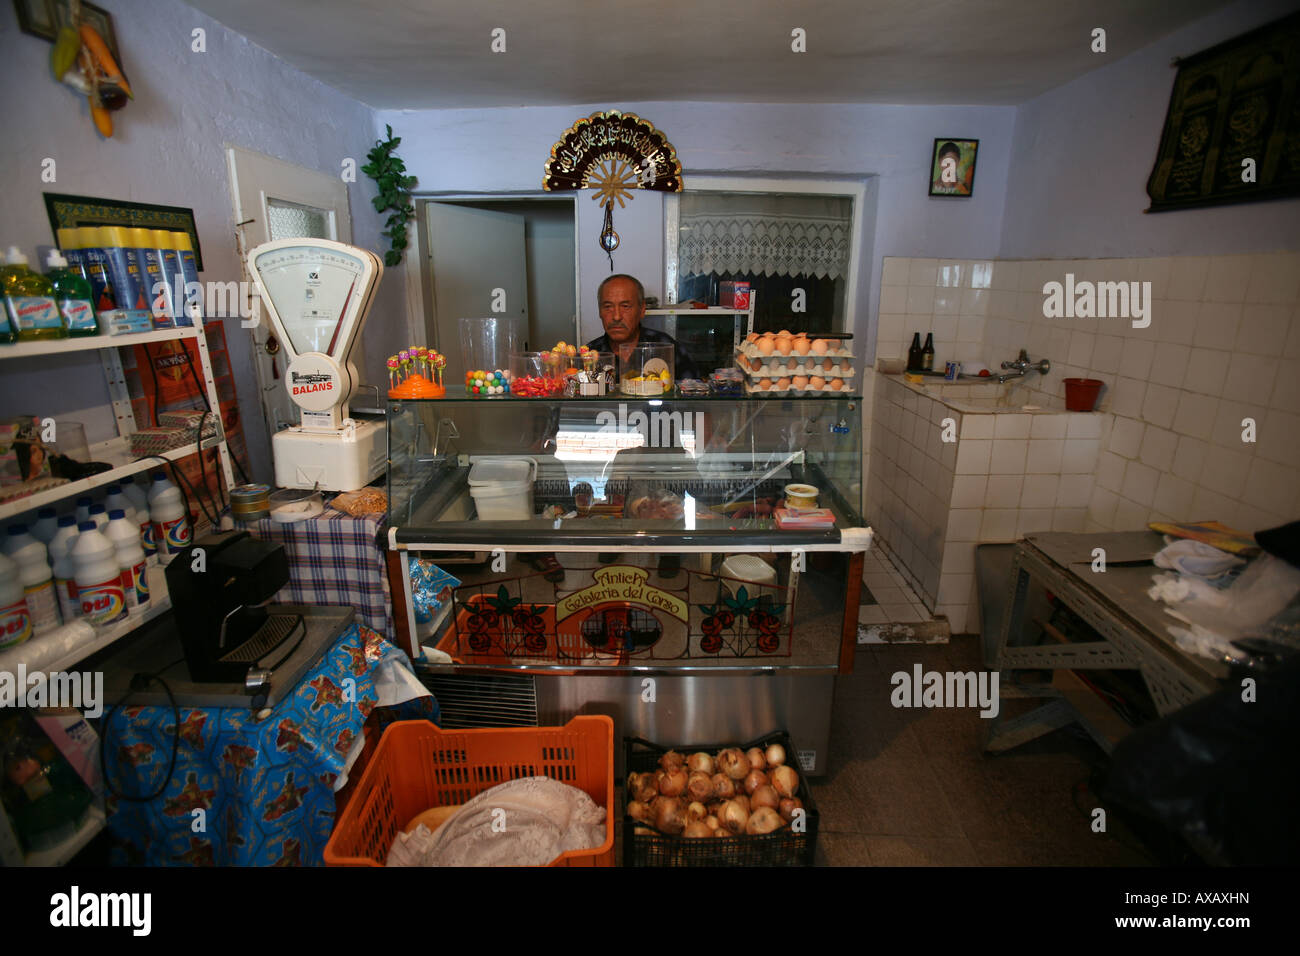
510,257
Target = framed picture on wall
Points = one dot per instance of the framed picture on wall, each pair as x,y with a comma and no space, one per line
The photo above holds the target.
952,167
43,18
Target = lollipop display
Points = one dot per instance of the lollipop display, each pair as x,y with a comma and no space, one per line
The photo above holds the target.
416,373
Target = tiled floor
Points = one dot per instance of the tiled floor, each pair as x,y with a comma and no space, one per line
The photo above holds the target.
911,787
887,597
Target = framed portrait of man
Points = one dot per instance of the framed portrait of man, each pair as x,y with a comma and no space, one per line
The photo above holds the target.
952,167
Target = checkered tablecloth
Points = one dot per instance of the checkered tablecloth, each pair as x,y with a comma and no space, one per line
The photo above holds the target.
334,560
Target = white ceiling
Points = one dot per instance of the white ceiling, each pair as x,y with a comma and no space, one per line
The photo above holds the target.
436,53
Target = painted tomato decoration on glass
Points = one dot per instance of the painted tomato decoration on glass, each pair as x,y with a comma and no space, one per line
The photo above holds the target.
480,643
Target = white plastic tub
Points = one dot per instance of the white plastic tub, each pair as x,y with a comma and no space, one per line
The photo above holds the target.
502,488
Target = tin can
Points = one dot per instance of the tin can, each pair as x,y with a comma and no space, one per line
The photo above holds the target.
951,370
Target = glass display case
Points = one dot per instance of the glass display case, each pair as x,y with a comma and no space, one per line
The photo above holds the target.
598,540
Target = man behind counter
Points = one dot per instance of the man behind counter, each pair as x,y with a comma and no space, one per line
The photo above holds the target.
622,307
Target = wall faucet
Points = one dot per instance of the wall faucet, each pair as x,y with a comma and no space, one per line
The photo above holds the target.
1022,365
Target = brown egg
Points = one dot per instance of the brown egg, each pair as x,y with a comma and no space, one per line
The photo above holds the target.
784,332
816,382
751,337
783,344
765,346
836,384
828,365
820,346
800,381
764,383
802,345
755,364
782,383
792,365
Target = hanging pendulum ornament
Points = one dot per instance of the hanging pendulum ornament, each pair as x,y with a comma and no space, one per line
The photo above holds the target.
608,237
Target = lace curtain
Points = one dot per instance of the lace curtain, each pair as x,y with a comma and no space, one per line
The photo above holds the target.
771,235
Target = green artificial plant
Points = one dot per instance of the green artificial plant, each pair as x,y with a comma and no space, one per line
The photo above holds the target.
388,171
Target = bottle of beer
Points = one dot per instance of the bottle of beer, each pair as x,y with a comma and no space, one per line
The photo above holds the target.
927,353
914,357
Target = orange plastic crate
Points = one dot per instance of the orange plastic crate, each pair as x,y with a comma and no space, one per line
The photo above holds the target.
417,766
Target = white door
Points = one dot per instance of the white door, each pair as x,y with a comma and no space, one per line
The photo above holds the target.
278,200
479,262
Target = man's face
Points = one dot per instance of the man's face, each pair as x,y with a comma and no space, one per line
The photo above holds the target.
620,312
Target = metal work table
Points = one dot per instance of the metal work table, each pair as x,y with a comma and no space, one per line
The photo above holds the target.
1114,603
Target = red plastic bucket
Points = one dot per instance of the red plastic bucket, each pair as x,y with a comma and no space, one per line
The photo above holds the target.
1081,393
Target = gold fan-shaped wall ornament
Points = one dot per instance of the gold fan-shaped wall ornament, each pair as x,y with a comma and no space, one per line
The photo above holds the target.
612,153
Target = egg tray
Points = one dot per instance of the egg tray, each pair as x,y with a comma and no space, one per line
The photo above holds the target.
751,350
841,369
797,392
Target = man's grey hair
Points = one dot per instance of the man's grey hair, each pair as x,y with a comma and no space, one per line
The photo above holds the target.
640,289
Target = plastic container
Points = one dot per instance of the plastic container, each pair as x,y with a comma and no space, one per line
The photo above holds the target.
1081,393
738,569
782,847
502,488
65,569
15,622
98,514
32,559
193,304
8,333
72,295
171,527
47,523
801,496
116,500
83,508
98,577
139,499
29,299
418,766
649,370
131,561
485,344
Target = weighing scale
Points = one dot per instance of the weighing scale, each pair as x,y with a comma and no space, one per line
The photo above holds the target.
318,295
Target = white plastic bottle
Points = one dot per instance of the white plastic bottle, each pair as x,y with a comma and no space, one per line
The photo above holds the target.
65,570
15,622
130,560
32,559
47,522
171,527
116,499
99,579
140,502
99,515
83,508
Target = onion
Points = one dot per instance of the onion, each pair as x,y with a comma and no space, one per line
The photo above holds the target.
788,806
712,822
753,780
775,755
672,782
733,763
696,811
764,820
722,832
743,800
723,786
755,757
645,788
785,780
638,811
764,796
700,763
671,759
696,830
700,787
734,816
669,815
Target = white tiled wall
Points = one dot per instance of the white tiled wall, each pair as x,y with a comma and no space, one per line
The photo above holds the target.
1223,346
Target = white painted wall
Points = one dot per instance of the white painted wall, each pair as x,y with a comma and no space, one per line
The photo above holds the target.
168,148
1082,154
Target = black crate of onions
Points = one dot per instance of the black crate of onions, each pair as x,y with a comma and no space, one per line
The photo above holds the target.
717,805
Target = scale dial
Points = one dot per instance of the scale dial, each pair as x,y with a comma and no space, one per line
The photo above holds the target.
317,292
